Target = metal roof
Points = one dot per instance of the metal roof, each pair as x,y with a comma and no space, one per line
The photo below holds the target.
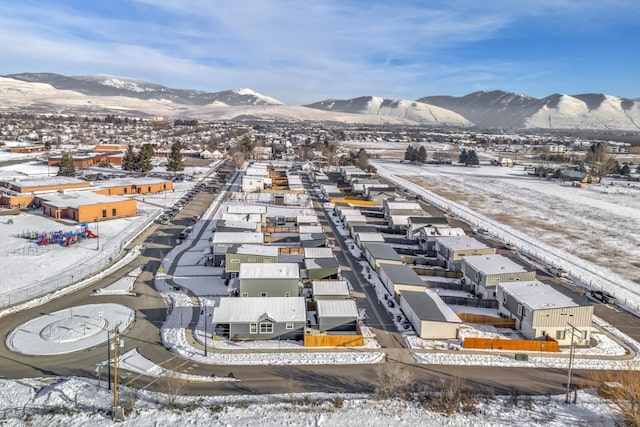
253,309
269,271
337,308
428,306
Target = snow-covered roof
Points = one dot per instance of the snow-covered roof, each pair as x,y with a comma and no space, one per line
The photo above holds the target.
400,219
120,182
330,287
78,198
230,237
307,219
254,309
287,270
248,249
310,229
246,209
538,295
459,243
428,306
493,264
337,308
371,237
399,205
318,253
248,217
46,181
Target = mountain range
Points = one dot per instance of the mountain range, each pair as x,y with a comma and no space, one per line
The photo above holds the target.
105,94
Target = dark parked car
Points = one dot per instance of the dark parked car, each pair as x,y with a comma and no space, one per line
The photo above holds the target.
390,303
603,297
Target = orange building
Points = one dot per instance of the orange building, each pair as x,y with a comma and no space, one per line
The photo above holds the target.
126,186
86,206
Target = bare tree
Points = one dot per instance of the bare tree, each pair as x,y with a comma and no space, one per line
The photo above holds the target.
623,390
391,379
172,383
601,163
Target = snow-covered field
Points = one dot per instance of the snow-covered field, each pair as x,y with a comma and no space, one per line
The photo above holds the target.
593,232
81,402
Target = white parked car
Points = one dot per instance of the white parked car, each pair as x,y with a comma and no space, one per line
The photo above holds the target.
558,271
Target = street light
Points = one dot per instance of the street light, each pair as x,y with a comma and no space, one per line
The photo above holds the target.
206,320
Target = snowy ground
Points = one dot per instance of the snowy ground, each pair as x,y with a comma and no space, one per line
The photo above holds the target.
53,266
594,232
80,402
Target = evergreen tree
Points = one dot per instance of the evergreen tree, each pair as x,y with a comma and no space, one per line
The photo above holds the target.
130,161
409,154
67,168
463,156
144,159
625,170
472,158
421,155
175,163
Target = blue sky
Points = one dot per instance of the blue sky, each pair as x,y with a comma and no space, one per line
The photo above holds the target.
309,50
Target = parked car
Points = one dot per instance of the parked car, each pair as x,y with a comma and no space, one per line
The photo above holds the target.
604,297
558,271
482,231
390,303
509,246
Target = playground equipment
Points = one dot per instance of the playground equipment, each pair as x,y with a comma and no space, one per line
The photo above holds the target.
63,238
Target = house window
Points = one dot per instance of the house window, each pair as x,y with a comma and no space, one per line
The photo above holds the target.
266,328
504,298
263,294
287,294
251,259
584,334
113,212
560,335
235,261
253,328
104,213
126,190
245,294
520,309
289,325
148,189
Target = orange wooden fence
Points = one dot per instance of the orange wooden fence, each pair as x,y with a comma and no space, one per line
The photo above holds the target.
517,345
333,341
481,319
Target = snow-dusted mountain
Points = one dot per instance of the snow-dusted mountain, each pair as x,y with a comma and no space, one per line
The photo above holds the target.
419,112
104,94
105,85
498,109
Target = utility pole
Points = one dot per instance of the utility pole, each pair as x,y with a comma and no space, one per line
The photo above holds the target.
574,330
108,359
116,340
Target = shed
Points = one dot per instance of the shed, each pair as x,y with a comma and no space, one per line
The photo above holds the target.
398,278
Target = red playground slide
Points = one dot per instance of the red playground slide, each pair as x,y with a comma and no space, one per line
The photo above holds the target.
91,234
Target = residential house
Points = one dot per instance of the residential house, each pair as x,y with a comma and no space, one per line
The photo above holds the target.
542,310
221,241
329,289
453,249
269,280
397,278
484,272
377,254
237,255
337,315
430,317
260,318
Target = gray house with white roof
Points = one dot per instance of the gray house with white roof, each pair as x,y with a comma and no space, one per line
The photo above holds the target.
221,241
329,289
252,254
269,280
260,318
484,272
542,310
430,316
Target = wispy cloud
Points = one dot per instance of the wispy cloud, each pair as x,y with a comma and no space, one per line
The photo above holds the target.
309,50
